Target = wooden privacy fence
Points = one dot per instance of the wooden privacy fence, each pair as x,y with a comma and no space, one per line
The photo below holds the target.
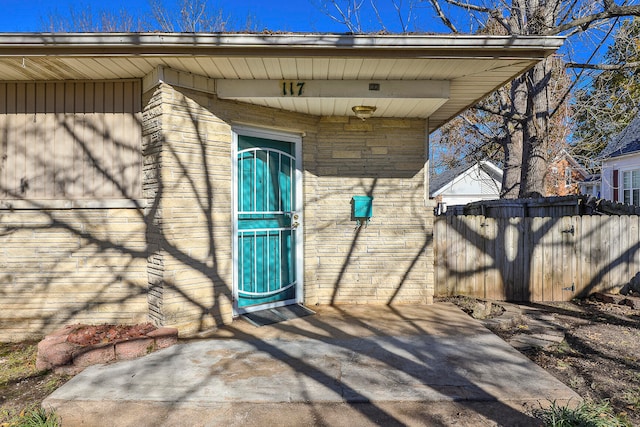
541,207
535,258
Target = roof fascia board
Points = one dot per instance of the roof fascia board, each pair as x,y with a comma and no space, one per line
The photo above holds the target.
456,179
570,159
621,156
107,44
494,168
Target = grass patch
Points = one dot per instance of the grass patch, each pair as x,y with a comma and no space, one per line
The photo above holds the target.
35,417
17,361
632,398
587,414
22,387
31,416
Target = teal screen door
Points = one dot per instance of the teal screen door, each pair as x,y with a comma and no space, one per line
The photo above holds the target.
266,222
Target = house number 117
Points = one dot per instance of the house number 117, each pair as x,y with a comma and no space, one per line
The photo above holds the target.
292,88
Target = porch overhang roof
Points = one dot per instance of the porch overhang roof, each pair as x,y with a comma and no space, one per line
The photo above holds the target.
459,70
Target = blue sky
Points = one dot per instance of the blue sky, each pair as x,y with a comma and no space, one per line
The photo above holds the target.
275,15
284,15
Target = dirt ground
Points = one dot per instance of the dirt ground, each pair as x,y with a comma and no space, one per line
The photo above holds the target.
22,387
600,355
599,358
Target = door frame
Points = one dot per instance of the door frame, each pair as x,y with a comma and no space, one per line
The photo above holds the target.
298,257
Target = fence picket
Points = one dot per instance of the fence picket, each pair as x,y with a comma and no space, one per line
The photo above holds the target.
490,282
499,257
568,258
623,254
586,266
440,248
634,243
535,274
535,259
603,265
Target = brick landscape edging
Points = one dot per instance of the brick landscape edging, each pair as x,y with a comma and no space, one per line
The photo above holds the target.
56,353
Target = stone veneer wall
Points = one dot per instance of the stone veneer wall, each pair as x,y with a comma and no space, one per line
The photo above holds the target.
151,164
187,170
62,266
391,259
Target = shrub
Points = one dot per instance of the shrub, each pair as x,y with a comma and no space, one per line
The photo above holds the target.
586,414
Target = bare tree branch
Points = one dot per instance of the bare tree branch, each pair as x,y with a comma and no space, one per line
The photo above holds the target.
469,6
584,22
374,6
397,5
348,16
494,13
161,16
493,109
442,16
604,67
475,126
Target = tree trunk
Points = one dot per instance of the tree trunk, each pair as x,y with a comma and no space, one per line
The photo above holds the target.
534,156
513,146
512,165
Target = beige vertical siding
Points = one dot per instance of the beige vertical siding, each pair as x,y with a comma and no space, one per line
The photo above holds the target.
70,145
66,140
60,267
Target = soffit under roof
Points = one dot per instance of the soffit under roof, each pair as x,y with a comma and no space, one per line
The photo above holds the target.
473,65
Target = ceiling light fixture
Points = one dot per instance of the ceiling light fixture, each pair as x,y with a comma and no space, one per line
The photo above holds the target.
363,112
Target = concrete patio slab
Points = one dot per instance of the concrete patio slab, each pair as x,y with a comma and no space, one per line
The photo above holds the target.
375,364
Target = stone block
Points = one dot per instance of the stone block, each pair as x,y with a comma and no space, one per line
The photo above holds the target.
131,349
164,337
523,341
94,355
358,126
346,154
54,351
482,310
633,302
70,370
610,298
335,119
380,150
394,123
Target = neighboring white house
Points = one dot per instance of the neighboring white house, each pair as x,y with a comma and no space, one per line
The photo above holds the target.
621,166
465,184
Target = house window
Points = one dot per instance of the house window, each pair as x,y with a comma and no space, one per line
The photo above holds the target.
567,177
631,187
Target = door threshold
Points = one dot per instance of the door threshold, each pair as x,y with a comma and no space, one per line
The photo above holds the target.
270,316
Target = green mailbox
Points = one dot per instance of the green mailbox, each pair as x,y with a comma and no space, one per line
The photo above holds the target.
362,207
